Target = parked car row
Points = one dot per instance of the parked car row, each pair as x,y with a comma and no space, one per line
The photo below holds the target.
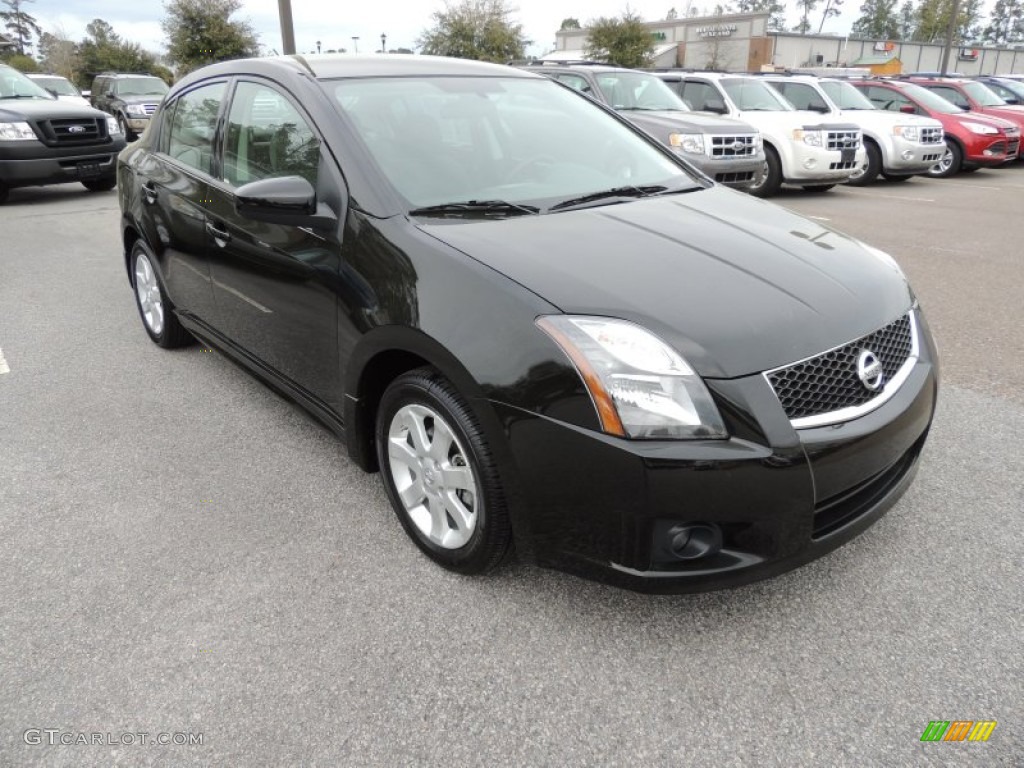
811,131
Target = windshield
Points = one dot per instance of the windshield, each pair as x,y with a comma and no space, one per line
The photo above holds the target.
1014,87
14,85
846,96
754,95
141,86
636,90
58,85
982,94
932,101
527,141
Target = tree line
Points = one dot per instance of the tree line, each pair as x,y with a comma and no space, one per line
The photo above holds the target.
198,32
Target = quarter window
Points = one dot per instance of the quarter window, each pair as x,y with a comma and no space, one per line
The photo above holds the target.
267,137
193,124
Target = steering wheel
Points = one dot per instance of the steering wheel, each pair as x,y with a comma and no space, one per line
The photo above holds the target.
537,160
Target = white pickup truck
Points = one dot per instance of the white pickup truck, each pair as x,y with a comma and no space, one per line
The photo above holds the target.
800,147
896,145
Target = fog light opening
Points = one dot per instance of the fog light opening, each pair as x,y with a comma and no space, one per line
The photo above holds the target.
691,542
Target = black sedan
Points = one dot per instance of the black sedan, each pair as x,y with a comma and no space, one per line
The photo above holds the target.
536,322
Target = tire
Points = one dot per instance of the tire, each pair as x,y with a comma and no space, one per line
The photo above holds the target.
871,168
100,185
950,164
772,179
154,307
125,130
819,188
439,473
897,179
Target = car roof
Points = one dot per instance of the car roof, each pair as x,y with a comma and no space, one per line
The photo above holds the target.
327,66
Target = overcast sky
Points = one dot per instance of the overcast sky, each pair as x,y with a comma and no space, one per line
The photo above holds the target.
334,23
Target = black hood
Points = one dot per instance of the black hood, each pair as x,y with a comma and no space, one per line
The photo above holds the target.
44,109
663,122
736,284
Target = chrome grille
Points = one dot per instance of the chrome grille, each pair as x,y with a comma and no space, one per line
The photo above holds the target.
150,109
828,383
76,130
730,147
843,139
931,135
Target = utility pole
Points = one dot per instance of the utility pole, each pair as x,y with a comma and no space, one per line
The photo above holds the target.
355,43
284,8
954,17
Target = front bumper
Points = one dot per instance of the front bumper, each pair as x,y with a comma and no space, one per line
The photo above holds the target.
816,165
990,151
738,173
36,164
911,157
780,497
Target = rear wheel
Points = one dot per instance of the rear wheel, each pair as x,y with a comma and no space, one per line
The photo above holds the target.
951,162
771,180
868,172
100,185
155,309
439,473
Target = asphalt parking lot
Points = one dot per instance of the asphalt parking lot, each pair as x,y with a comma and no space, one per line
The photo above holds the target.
183,552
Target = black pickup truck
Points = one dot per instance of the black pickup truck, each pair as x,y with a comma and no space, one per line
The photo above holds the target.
46,141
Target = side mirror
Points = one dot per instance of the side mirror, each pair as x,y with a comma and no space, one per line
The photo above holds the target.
288,200
715,105
908,109
822,108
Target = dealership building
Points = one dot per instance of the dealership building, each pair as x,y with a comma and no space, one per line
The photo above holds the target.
742,42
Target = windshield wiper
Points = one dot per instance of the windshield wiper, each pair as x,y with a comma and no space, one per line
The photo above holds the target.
470,207
606,194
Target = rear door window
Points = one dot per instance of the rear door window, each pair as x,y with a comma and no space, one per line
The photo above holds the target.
193,125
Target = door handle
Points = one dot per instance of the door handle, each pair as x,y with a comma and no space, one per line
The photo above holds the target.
149,192
222,236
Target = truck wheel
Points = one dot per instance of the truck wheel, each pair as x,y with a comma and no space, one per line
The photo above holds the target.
772,178
868,172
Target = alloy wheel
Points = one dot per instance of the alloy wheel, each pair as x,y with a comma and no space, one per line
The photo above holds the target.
148,290
433,476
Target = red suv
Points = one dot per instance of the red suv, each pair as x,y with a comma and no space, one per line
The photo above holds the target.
973,96
973,140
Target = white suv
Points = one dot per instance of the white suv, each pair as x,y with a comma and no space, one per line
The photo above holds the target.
895,145
799,147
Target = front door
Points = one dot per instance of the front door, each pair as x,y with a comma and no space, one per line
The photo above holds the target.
274,284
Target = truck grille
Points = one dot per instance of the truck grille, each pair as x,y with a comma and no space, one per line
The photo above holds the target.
829,382
730,147
931,135
150,108
74,130
843,140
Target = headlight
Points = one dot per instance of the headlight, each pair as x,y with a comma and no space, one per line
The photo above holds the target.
985,130
640,386
692,143
16,132
908,132
136,110
113,129
813,138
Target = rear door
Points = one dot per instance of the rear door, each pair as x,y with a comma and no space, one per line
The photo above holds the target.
175,187
274,284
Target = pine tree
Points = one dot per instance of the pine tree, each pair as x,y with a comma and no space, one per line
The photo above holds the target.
777,19
1006,23
20,25
878,20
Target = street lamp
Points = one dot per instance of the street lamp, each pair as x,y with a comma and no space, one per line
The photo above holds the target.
355,44
383,43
